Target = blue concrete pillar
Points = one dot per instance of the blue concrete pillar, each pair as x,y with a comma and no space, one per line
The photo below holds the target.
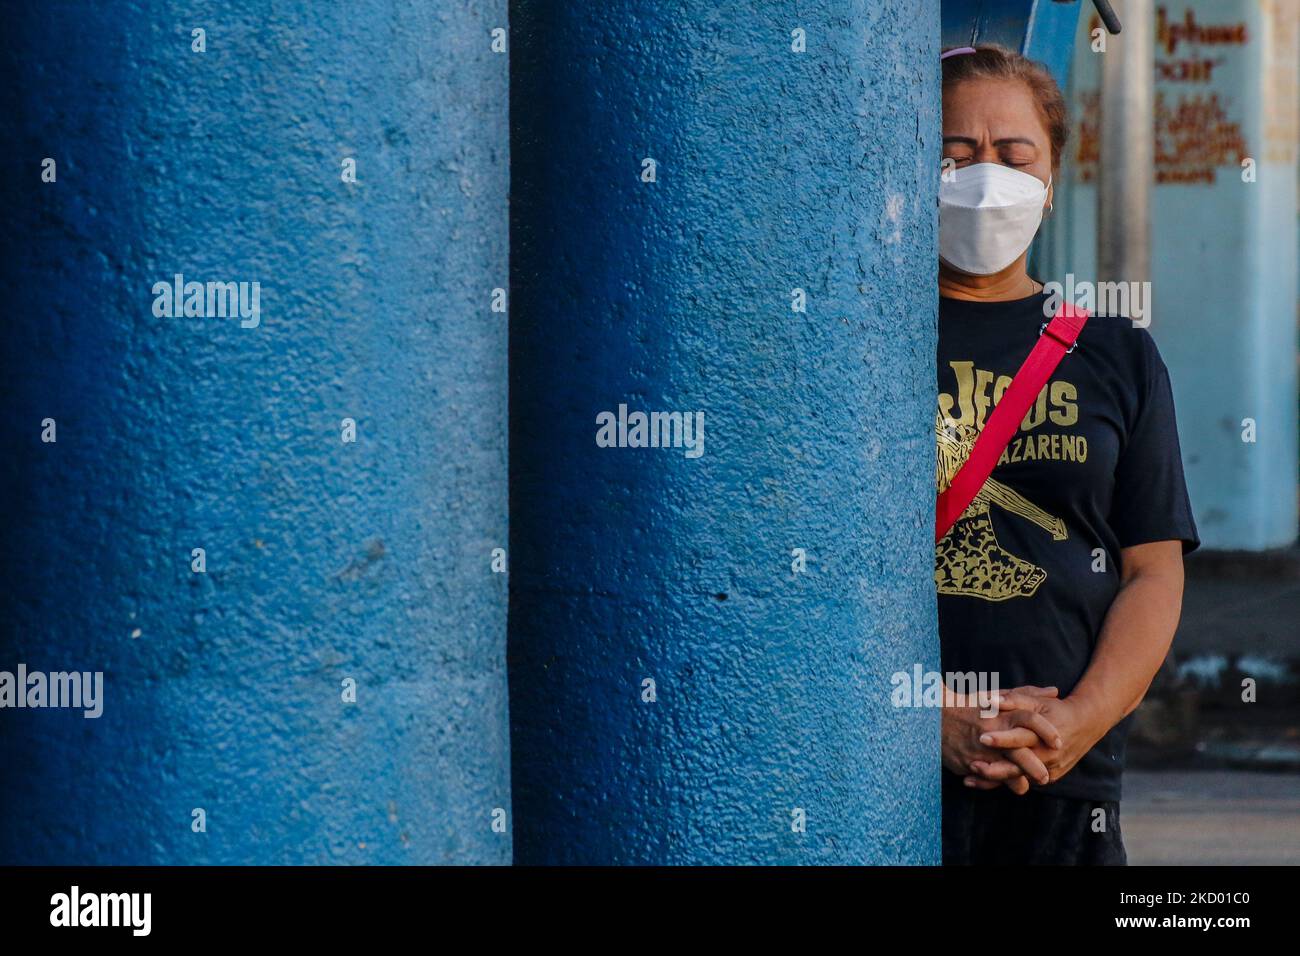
328,565
729,216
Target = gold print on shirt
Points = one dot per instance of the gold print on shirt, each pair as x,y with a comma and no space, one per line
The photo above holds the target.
968,560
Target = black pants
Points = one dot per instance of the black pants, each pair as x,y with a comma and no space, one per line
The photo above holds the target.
998,828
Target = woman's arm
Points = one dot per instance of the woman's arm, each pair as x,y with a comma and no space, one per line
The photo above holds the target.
1137,632
1135,638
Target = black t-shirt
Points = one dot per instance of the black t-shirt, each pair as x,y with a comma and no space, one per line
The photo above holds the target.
1026,575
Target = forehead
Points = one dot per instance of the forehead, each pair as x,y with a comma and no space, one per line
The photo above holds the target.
1000,107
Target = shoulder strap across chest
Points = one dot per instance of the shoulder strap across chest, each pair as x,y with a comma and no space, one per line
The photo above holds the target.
1056,339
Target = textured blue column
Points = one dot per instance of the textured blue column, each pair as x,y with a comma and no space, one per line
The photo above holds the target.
774,171
325,560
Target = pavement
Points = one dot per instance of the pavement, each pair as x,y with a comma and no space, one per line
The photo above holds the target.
1213,779
1211,817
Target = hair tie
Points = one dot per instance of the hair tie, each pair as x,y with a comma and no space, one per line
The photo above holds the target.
960,49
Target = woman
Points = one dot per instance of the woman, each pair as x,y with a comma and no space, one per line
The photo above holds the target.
1064,577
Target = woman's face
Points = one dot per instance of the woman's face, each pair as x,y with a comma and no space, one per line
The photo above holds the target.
996,121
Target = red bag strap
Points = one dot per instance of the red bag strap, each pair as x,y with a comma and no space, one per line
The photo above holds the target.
1056,339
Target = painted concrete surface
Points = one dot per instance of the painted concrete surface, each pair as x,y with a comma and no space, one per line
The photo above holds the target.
326,560
773,171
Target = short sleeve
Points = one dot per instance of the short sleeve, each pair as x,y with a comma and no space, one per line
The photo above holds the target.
1150,501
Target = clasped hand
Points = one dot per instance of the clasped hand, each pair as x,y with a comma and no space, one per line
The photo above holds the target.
1034,737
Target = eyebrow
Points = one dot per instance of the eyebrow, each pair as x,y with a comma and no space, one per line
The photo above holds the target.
1007,141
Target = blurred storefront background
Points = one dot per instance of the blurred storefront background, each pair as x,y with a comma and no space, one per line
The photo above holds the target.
1222,307
1177,203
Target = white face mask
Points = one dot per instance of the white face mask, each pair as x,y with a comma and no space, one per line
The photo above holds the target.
988,215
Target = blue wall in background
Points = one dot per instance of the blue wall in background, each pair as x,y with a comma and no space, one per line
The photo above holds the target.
325,560
1224,252
775,170
1042,30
